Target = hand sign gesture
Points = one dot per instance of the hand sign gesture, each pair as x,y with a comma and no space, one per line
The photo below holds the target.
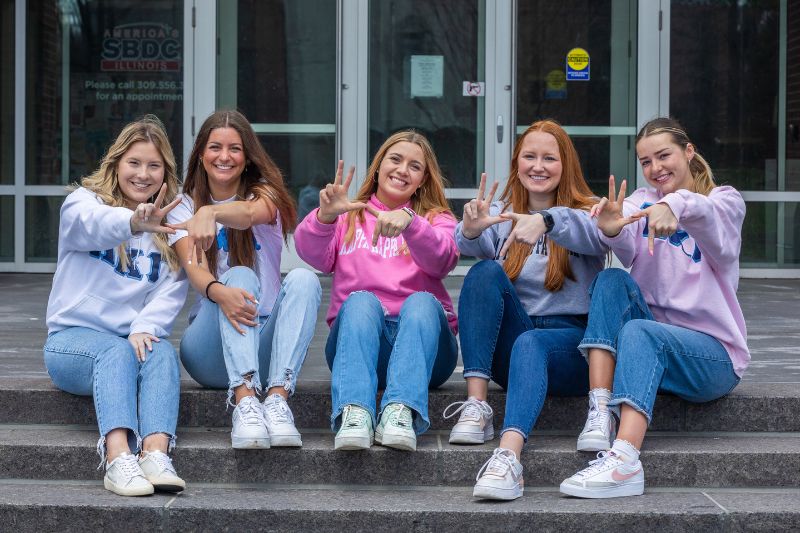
333,200
608,212
476,212
202,230
389,223
148,217
528,230
661,222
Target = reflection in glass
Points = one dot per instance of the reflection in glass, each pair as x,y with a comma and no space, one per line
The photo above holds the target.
307,163
724,86
420,54
548,30
93,67
6,228
41,228
6,93
793,97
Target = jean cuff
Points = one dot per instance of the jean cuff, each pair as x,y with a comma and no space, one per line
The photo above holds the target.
604,344
477,373
627,399
253,383
420,421
287,382
516,430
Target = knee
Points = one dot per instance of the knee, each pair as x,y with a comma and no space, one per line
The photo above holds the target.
529,346
241,277
611,279
481,274
303,282
422,308
165,355
635,341
361,305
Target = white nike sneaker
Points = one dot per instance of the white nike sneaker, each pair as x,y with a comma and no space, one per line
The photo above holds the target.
159,471
280,422
599,430
500,478
475,425
124,476
249,427
608,476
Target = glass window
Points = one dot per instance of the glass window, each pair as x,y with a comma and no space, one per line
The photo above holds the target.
284,81
6,93
6,228
94,66
41,228
793,97
724,86
771,234
421,52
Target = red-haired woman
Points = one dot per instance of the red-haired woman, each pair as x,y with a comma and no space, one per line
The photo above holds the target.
523,310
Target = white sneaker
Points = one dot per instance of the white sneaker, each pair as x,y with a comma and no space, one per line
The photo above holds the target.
475,425
356,431
280,422
500,478
608,476
124,476
158,469
396,428
249,427
599,430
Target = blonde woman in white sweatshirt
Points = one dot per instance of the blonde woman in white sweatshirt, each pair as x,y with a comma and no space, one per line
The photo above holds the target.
116,291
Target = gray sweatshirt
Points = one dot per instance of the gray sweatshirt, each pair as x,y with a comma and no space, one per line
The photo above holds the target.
575,231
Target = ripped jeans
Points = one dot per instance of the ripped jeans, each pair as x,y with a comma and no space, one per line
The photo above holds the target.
219,357
140,397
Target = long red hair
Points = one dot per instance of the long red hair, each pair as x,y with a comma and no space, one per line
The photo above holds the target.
572,191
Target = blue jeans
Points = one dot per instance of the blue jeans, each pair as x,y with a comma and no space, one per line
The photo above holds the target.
652,356
140,397
528,356
404,355
218,356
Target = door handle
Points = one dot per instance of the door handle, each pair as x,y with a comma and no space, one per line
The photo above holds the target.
499,128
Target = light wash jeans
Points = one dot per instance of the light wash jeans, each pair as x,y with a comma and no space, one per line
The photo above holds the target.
140,397
404,355
219,357
652,356
529,356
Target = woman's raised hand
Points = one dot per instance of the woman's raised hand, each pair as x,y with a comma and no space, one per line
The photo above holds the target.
148,217
202,230
476,212
333,200
528,230
389,223
608,211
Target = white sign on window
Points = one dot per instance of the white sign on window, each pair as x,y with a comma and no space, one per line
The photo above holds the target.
427,76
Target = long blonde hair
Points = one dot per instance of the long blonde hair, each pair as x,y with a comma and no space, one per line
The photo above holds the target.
428,201
572,191
261,178
104,181
701,171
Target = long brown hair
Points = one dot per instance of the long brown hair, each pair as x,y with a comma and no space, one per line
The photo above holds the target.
104,181
698,166
427,201
261,179
572,191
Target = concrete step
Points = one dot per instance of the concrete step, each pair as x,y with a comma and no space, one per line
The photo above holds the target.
81,507
751,407
205,455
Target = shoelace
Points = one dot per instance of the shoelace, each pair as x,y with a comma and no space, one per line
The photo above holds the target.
354,418
471,409
278,411
129,466
598,419
400,415
250,410
163,460
498,464
599,464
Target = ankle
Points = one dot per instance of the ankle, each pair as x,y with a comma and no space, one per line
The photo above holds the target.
627,451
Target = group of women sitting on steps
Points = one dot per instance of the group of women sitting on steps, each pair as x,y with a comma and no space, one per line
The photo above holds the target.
538,314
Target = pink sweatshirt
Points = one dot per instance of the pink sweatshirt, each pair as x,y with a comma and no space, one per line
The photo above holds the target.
692,277
385,270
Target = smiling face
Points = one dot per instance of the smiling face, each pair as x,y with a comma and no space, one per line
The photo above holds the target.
224,161
401,173
539,168
665,164
140,173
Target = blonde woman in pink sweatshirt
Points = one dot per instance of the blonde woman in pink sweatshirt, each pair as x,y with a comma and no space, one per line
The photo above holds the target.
392,321
673,324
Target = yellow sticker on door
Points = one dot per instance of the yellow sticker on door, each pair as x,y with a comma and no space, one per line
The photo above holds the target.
577,65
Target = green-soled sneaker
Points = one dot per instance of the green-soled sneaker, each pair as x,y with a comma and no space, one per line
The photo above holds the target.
396,428
356,431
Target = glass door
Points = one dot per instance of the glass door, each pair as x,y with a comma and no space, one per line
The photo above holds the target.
576,63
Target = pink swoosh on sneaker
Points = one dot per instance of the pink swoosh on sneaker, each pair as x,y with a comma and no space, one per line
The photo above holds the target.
617,476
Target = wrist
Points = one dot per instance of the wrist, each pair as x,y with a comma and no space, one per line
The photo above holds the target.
211,287
470,234
325,218
549,222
